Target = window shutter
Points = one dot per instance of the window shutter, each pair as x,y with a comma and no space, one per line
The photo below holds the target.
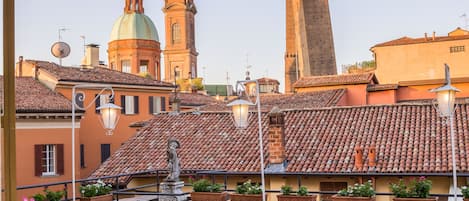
163,104
150,106
97,102
38,160
60,159
123,104
105,152
82,155
135,104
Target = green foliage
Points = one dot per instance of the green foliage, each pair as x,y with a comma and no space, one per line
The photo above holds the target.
49,196
248,188
187,85
414,189
97,189
303,191
360,67
204,185
358,190
285,190
465,192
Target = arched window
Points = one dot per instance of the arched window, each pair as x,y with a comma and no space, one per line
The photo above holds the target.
176,33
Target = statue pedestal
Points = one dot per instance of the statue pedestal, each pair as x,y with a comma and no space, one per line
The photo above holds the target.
172,188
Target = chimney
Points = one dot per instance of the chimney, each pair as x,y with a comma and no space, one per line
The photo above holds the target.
20,67
91,56
372,156
434,36
426,36
276,141
358,158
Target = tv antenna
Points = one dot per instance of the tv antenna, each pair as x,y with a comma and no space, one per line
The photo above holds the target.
60,49
466,21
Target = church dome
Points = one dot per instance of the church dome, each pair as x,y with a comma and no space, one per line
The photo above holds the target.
134,26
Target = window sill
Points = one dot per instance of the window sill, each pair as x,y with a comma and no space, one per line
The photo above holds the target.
50,176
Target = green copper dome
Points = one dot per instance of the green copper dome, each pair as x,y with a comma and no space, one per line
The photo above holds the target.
134,26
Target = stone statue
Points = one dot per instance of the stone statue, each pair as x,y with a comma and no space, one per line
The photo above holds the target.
173,161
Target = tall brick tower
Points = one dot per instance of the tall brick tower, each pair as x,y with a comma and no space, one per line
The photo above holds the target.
309,41
180,53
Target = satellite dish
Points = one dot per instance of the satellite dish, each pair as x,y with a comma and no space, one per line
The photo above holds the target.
60,50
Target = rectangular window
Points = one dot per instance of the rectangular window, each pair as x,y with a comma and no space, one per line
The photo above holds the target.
113,66
105,152
82,156
129,104
157,104
126,66
455,49
143,66
331,186
49,159
101,100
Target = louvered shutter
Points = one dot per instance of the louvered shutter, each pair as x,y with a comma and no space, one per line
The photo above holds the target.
135,104
38,160
97,102
163,104
60,159
150,104
123,104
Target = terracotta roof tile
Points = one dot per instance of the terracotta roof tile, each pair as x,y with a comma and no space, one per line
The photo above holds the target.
96,75
266,80
407,40
33,97
193,99
382,87
305,100
328,80
408,138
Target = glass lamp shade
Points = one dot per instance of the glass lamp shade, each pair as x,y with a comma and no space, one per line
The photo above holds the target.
109,116
240,112
446,100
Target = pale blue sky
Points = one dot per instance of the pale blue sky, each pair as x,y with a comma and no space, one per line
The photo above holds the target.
228,30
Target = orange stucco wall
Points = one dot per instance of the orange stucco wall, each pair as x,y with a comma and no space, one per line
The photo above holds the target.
92,133
32,132
355,94
382,97
423,91
421,61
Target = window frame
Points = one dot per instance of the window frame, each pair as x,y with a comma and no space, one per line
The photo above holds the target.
126,66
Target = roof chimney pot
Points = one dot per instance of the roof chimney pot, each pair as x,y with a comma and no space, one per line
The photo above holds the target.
358,158
372,156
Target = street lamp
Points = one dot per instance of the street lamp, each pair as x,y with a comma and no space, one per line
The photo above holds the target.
109,116
240,109
446,96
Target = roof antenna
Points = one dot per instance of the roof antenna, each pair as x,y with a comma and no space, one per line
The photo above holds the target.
466,21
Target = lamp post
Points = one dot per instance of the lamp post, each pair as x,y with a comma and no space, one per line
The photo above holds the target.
240,109
446,96
109,116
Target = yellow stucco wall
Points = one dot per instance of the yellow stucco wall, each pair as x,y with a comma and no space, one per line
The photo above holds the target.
420,61
441,185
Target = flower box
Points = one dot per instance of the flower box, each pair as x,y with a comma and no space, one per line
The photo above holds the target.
246,197
416,199
206,196
97,198
296,198
348,198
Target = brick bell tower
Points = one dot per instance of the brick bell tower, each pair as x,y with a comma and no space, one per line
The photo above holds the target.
309,41
134,46
180,54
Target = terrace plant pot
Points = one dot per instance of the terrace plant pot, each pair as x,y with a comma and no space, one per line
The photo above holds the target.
348,198
246,197
206,196
97,198
296,198
416,199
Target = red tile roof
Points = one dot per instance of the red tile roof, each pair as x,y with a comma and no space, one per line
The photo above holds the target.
382,87
407,40
266,80
305,100
408,139
96,75
193,99
33,97
329,80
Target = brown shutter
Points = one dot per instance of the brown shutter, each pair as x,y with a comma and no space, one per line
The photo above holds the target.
123,104
38,160
163,104
136,104
97,102
150,105
60,159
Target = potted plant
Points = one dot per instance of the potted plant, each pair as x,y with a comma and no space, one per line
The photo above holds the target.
247,192
203,190
96,192
465,193
301,195
362,192
414,190
49,196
